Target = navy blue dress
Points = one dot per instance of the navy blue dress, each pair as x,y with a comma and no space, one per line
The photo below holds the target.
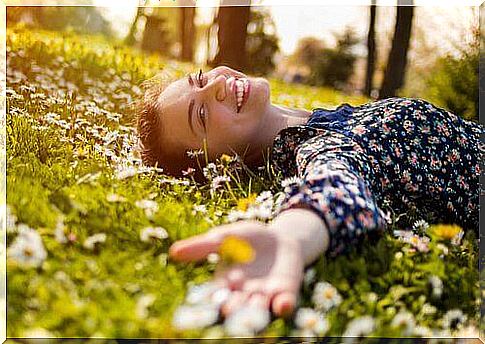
353,165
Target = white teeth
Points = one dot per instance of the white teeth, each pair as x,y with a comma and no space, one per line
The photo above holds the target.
240,87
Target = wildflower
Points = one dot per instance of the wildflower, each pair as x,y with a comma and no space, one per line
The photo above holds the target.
289,181
422,331
420,226
235,215
226,159
443,248
142,305
264,196
199,208
150,233
428,309
91,242
194,153
404,320
189,172
325,296
188,317
436,285
210,171
419,243
311,322
244,203
126,172
60,232
359,327
213,258
114,198
236,250
309,277
446,232
150,207
247,321
207,293
456,240
454,319
27,249
218,180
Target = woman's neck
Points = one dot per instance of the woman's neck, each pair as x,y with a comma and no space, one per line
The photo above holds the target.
277,118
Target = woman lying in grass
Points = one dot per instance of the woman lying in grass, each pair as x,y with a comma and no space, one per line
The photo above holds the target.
345,163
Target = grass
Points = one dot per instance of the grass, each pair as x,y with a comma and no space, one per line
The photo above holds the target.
70,139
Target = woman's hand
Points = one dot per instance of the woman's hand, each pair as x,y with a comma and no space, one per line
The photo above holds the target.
272,279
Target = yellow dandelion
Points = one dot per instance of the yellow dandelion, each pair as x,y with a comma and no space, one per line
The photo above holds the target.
244,203
447,232
225,159
234,250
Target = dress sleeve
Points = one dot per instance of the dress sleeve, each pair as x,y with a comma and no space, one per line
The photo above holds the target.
331,182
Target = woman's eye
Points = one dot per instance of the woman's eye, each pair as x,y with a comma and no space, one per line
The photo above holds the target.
200,78
202,116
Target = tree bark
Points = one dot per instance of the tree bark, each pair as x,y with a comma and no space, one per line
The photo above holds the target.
396,63
232,32
187,33
371,50
130,37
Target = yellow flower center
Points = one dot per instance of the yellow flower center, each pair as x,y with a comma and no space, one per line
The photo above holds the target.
244,203
236,250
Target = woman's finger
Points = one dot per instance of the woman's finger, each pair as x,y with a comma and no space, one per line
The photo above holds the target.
259,300
283,304
195,248
198,247
236,301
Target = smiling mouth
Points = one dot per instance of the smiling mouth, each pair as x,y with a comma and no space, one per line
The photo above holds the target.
241,90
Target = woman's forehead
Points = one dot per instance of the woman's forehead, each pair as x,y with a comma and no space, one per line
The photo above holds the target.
175,94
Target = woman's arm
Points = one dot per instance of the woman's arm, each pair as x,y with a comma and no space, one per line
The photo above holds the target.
305,227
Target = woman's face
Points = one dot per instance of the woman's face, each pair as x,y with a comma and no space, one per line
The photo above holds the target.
223,106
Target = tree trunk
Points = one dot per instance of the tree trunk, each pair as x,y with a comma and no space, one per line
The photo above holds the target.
371,50
396,63
130,37
187,33
232,32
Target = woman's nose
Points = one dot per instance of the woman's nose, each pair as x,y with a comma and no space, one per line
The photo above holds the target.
218,87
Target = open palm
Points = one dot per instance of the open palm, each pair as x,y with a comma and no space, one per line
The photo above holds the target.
272,279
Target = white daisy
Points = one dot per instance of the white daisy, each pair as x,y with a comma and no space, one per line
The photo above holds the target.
199,208
436,285
247,321
405,321
218,180
325,296
310,321
454,319
149,233
420,226
289,181
124,172
59,232
264,197
114,198
188,317
150,207
27,249
91,242
207,293
142,305
359,327
422,331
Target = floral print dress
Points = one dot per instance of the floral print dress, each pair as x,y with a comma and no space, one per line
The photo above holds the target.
354,165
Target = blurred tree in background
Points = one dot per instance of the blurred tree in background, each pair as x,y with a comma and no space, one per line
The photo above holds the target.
81,19
395,72
187,33
232,23
331,67
371,50
261,43
454,82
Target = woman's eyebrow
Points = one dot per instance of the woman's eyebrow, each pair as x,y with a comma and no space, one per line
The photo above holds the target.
190,114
